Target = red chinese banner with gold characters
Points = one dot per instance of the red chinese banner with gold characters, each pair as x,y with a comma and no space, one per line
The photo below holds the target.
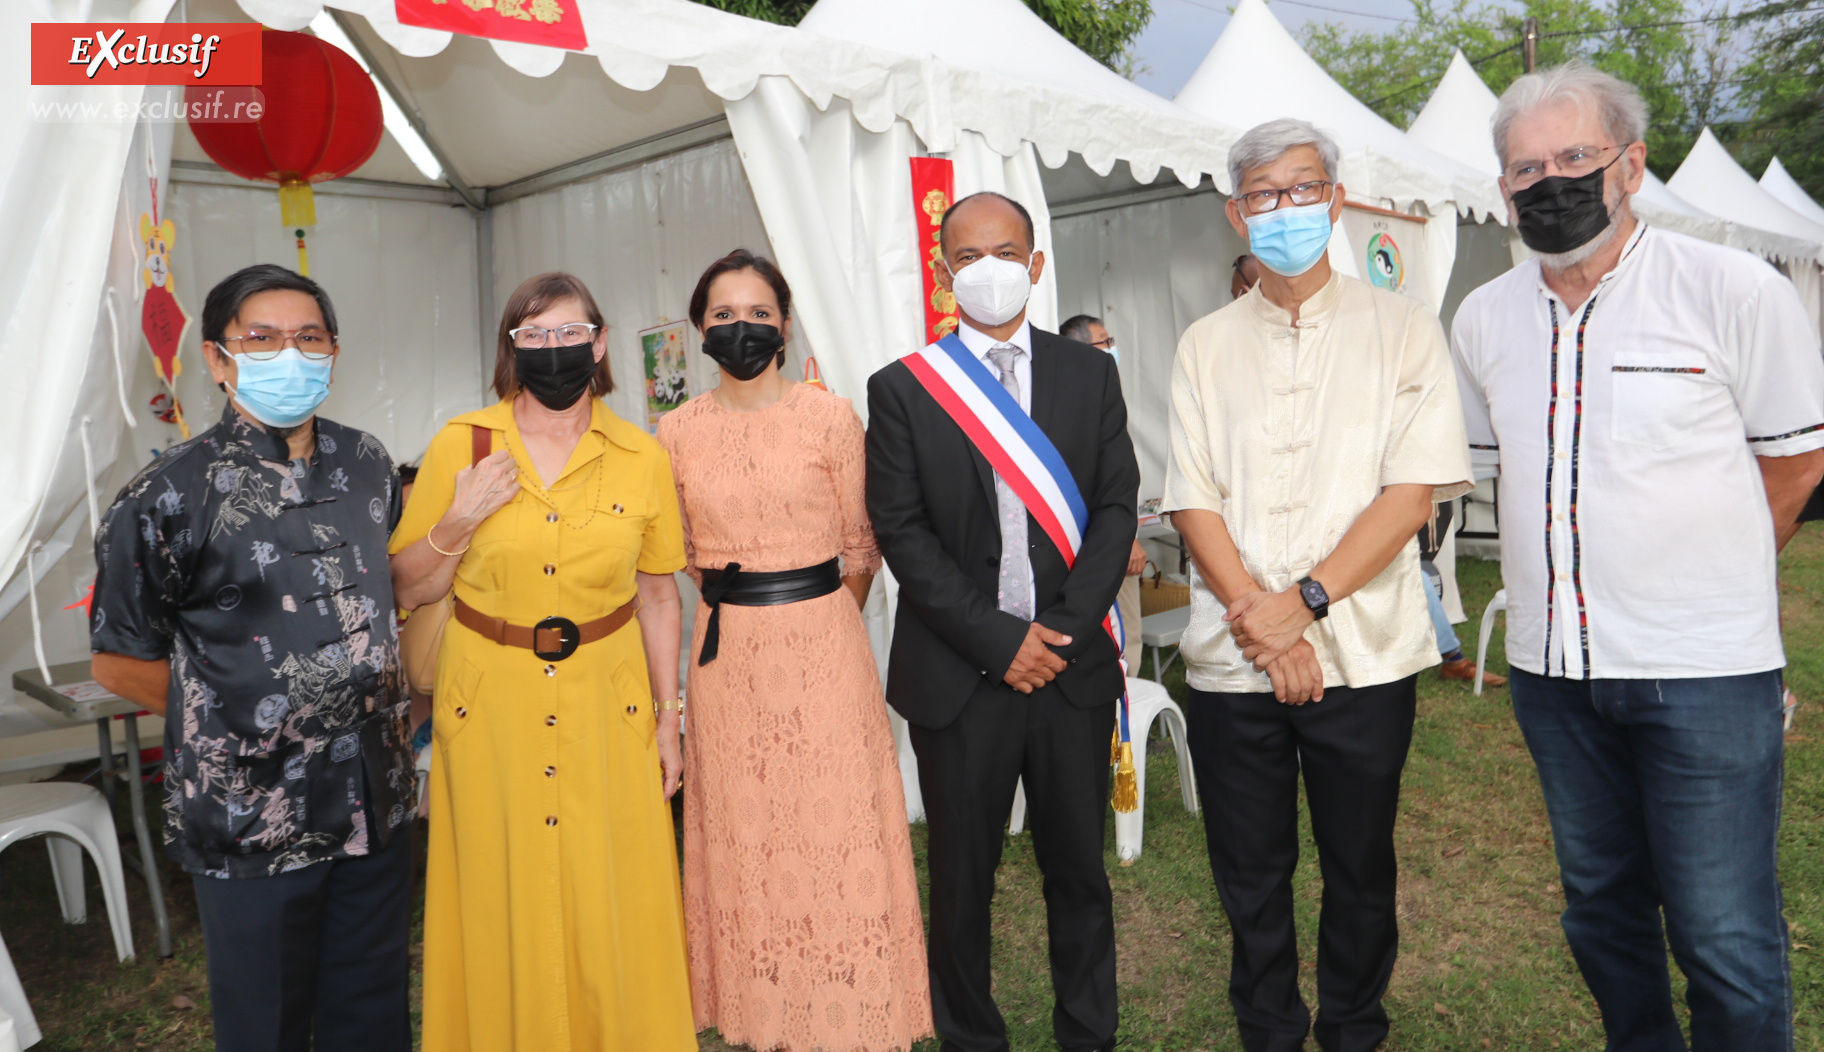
933,188
553,23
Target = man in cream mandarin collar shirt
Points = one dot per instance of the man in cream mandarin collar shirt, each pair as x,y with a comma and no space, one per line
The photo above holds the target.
1314,423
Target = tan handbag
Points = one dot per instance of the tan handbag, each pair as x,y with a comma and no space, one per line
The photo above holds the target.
421,637
1158,594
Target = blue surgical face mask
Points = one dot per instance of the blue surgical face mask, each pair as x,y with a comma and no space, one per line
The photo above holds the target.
1291,239
282,391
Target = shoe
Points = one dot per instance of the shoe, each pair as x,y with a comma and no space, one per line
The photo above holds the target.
1465,670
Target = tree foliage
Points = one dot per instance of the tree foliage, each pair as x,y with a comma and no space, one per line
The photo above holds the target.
1106,29
1783,90
1680,66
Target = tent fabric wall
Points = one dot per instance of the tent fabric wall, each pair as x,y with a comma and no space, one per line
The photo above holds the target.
65,205
1148,271
638,238
401,275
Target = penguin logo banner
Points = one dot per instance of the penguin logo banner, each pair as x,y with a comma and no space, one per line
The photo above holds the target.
1385,268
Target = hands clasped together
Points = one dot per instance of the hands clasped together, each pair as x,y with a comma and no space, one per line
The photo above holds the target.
1269,627
1036,664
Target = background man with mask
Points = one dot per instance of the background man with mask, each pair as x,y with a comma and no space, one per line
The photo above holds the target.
1314,424
1086,328
999,658
1655,407
243,578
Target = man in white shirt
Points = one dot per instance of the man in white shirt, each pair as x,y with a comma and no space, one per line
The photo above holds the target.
1314,423
1654,405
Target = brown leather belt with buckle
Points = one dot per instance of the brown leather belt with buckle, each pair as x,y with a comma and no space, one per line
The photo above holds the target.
554,638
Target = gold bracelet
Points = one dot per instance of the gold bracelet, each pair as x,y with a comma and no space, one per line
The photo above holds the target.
674,705
440,551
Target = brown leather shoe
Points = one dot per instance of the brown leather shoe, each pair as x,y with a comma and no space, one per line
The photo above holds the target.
1465,670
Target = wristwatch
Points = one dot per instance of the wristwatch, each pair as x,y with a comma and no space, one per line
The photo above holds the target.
1315,598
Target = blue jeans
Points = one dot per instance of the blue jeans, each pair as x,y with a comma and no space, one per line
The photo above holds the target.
1440,621
1665,795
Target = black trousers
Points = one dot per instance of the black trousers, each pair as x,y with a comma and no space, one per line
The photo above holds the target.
967,772
323,949
1248,750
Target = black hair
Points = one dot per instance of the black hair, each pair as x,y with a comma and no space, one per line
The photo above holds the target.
1240,260
740,259
225,299
1077,327
408,474
943,228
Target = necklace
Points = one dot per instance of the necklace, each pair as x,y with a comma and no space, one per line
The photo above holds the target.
595,502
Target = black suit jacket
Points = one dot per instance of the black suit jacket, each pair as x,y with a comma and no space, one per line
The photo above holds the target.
931,498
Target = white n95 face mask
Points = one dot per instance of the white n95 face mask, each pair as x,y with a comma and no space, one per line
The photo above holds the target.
992,290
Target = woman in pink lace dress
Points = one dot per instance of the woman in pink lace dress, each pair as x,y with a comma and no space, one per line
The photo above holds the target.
799,895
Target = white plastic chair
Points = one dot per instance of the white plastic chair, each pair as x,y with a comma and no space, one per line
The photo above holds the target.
75,817
1160,630
1147,701
1495,606
18,1027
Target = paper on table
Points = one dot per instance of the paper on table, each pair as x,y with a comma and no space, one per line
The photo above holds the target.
89,690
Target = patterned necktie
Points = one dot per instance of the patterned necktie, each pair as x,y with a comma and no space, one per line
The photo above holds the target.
1016,564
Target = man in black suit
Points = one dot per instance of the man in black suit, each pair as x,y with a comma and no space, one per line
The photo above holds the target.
999,660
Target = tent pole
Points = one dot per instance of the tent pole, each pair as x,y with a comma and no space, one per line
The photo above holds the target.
484,297
476,200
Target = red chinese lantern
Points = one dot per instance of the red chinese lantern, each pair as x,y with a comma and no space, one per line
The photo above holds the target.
320,121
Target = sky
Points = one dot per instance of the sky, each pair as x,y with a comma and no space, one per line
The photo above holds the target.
1182,31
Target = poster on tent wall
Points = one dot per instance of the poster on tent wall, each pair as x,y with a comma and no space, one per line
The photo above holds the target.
933,188
553,23
1388,246
662,350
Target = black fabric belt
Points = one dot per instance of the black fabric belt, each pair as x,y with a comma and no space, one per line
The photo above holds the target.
731,584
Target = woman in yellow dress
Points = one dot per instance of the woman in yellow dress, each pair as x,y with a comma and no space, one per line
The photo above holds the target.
552,918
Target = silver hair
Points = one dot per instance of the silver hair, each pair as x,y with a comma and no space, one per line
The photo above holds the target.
1266,143
1618,103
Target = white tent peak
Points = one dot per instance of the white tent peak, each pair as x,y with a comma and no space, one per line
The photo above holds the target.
1777,181
1459,105
1709,175
1005,40
1256,72
993,36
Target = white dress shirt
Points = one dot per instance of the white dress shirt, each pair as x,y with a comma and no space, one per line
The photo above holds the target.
979,344
1289,432
1636,542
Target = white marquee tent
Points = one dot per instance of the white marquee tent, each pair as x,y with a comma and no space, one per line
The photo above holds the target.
1780,183
679,133
1709,175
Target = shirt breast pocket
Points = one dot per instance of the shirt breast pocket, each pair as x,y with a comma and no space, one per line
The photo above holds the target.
1657,400
618,522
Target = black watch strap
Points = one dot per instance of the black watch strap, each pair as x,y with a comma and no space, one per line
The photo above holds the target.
1316,599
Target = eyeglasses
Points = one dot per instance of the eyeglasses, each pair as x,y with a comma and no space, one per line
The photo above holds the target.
263,345
1103,344
1576,161
1259,201
532,337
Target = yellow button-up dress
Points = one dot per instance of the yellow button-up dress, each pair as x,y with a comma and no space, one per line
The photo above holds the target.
552,917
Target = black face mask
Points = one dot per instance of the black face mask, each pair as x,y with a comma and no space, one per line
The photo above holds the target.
744,348
556,376
1559,213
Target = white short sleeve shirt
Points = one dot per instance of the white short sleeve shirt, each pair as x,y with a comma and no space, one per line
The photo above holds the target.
1289,431
1636,540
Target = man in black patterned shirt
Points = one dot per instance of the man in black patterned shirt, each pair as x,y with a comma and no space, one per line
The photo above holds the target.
242,589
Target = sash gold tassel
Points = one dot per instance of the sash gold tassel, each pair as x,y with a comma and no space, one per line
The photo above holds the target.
1127,782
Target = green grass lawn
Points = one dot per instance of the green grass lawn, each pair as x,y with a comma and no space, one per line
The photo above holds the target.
1482,963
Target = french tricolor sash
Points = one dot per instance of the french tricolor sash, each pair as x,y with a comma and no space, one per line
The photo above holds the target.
1032,467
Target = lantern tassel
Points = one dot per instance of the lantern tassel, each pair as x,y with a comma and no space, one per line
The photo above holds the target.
297,204
303,259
